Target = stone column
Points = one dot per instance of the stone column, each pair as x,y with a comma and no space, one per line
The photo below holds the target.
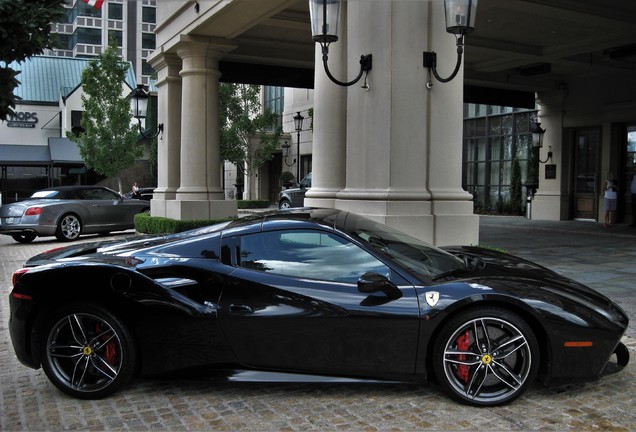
330,124
452,207
547,201
403,141
169,142
200,195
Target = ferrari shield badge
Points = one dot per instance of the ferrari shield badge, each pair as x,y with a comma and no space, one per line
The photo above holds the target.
432,297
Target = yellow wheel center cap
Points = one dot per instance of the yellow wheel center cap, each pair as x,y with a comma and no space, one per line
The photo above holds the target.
87,351
486,359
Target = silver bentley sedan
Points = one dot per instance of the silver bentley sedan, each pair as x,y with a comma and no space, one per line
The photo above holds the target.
66,212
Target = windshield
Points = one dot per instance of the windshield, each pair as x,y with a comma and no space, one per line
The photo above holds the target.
45,194
421,258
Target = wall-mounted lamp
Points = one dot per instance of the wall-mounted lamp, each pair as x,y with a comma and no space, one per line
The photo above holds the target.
537,139
460,20
325,15
285,146
139,106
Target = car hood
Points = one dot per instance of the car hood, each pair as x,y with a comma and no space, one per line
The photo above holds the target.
502,268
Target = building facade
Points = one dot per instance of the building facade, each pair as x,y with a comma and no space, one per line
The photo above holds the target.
35,151
86,31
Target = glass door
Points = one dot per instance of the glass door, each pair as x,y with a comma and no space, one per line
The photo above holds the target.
586,177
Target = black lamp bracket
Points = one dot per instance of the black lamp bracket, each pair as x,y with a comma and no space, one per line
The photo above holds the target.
430,62
549,157
159,131
366,62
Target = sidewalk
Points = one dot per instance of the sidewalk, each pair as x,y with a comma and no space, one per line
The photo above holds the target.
602,258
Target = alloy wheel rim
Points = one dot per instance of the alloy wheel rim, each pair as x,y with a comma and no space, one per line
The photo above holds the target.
487,360
85,352
70,227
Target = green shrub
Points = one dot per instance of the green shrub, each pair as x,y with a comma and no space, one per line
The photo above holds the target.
249,204
146,224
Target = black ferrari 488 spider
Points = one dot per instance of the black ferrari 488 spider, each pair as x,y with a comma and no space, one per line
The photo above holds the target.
317,292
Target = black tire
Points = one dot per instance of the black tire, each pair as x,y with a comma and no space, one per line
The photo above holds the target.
486,356
284,204
69,227
87,352
24,238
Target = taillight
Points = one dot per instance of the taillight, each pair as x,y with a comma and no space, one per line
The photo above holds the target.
33,211
18,274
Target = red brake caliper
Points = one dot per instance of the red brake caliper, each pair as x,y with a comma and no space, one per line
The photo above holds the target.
462,345
110,350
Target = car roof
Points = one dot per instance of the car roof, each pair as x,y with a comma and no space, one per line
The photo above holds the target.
277,219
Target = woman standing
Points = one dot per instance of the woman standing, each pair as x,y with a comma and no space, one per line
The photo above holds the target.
611,188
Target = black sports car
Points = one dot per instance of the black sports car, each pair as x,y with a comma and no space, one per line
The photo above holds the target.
316,292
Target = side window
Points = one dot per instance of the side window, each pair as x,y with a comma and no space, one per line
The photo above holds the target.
307,254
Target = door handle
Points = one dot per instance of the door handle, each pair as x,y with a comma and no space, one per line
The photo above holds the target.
244,309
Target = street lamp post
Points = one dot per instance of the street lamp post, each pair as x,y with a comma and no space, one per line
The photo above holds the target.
298,123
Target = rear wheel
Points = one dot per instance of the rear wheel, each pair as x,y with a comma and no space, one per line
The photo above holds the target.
23,238
87,352
486,357
68,228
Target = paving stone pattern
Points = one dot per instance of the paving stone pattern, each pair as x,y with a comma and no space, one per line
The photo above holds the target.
605,261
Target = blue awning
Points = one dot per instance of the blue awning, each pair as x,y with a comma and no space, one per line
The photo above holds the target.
59,151
24,155
63,150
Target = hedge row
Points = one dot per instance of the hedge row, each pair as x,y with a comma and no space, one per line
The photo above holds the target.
146,224
250,204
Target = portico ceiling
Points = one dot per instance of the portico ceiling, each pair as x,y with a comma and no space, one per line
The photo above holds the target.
524,45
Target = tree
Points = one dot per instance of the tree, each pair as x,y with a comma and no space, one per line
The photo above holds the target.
242,120
108,143
25,30
516,201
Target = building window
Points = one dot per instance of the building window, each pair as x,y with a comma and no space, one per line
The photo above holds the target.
274,100
117,35
115,11
146,69
492,141
84,9
87,36
148,41
149,15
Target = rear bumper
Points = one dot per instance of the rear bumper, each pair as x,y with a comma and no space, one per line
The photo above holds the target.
38,230
20,329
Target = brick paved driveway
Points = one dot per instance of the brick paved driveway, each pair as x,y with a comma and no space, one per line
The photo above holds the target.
29,402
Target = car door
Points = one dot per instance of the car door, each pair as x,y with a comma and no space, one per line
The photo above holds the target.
105,208
293,303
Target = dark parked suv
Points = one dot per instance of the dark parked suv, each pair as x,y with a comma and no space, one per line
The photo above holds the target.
294,197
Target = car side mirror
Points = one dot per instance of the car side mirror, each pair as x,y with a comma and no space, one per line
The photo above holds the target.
370,283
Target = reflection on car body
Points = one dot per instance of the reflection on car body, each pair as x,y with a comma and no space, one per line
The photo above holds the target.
313,292
67,212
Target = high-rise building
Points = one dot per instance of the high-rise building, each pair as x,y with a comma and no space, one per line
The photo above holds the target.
86,31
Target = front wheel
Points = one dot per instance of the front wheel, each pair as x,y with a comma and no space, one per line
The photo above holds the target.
87,352
486,357
284,204
68,228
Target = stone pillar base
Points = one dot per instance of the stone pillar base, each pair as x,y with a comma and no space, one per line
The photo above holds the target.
189,210
455,223
411,217
546,206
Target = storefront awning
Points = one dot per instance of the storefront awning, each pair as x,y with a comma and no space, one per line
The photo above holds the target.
31,155
63,150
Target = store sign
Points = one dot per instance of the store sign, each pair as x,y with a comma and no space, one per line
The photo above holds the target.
23,119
